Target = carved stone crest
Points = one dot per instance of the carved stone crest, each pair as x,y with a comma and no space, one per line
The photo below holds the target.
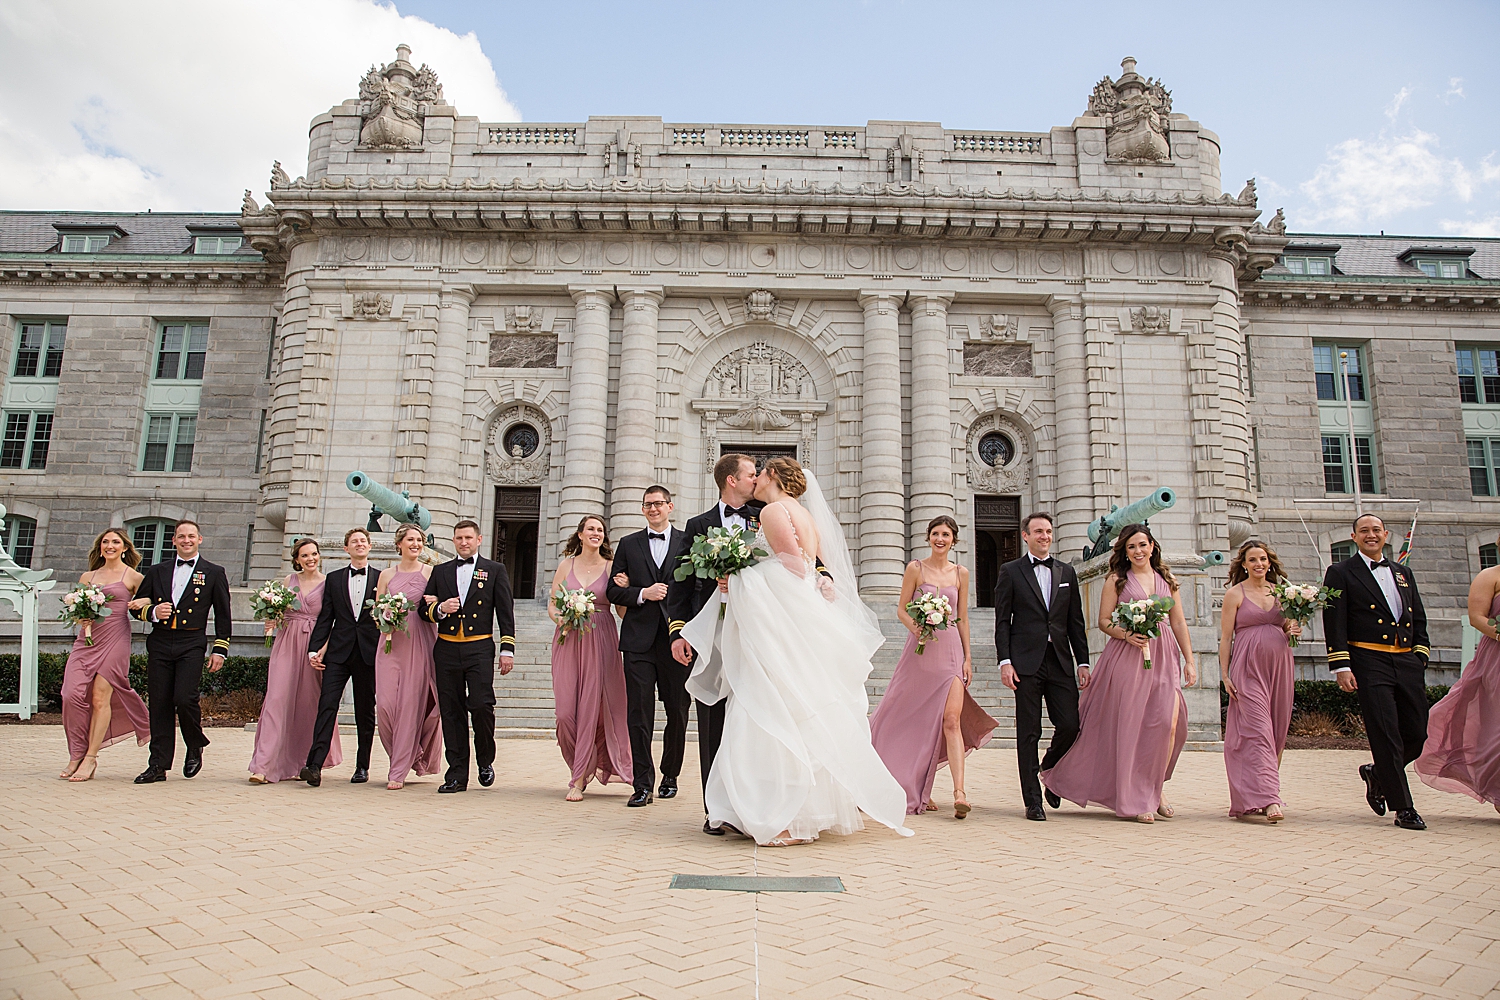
998,326
523,319
393,102
1150,319
759,370
760,304
519,451
1011,471
1135,111
372,305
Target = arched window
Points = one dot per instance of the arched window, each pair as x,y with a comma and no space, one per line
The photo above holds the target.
152,538
19,538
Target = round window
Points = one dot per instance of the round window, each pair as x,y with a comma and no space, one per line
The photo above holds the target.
523,436
996,449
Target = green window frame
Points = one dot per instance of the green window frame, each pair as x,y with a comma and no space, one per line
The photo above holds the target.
1489,555
1314,265
1337,474
1441,267
152,538
25,439
39,349
167,444
18,534
181,352
1484,466
1326,357
217,244
1478,367
83,243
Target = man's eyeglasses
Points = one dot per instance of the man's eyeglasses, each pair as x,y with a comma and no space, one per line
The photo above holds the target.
655,504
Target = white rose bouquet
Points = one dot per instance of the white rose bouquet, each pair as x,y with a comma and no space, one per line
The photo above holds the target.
718,553
575,611
84,605
930,612
1300,601
270,603
389,611
1143,617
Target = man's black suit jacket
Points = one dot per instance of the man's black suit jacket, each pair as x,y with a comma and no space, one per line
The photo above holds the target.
1024,624
489,598
346,630
207,589
1361,614
643,621
685,598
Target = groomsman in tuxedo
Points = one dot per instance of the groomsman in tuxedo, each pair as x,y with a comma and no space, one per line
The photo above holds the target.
176,596
472,598
735,477
1376,632
1039,633
342,647
638,582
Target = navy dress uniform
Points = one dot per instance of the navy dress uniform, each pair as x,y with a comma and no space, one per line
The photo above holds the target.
464,659
175,652
1378,629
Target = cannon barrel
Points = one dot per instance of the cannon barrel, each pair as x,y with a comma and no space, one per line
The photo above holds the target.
1214,558
1110,524
387,501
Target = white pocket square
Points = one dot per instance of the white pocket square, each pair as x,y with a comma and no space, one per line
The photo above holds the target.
1061,585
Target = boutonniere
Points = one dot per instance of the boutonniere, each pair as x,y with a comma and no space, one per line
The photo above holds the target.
199,579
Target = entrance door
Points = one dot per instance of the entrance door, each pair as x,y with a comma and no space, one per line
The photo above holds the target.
518,512
759,452
997,527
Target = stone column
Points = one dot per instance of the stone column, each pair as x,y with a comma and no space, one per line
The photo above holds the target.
882,512
1225,378
931,414
442,487
1075,481
588,398
635,409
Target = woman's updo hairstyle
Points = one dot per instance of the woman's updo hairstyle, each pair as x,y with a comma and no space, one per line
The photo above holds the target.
297,548
945,520
789,474
406,529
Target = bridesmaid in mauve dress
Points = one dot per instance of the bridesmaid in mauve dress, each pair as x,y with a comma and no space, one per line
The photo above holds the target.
1462,753
406,705
927,718
588,675
1132,721
1259,679
99,706
284,734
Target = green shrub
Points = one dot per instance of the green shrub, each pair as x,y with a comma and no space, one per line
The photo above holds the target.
239,673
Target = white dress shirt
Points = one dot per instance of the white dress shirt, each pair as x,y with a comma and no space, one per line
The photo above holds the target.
659,549
1043,574
357,591
181,574
465,574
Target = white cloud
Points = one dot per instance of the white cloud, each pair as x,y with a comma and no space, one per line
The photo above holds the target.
1455,88
1368,181
1472,227
178,105
1394,108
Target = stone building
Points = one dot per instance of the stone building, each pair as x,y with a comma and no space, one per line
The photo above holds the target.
531,322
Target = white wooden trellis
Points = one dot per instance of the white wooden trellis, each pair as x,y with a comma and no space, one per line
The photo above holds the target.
20,588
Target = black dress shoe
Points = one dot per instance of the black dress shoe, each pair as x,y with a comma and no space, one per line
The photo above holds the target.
1036,812
449,787
713,831
312,775
487,775
150,775
192,761
1373,795
668,789
642,797
1052,798
1407,819
360,776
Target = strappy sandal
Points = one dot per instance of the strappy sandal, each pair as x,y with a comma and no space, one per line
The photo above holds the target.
394,786
961,807
575,794
258,779
72,768
1165,811
1146,818
791,842
93,761
1275,817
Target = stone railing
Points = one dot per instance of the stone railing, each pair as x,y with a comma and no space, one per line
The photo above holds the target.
1003,144
766,138
533,135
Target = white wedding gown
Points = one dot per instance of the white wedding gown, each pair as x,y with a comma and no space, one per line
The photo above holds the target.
796,754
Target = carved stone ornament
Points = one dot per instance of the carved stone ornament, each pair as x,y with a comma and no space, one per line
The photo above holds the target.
523,319
1150,319
760,304
998,326
248,205
1013,476
279,179
760,390
759,370
372,305
757,415
393,102
513,466
1135,111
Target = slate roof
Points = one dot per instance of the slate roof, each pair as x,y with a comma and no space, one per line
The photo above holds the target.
1379,256
146,233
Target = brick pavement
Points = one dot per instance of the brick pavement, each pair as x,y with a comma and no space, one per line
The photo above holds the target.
217,889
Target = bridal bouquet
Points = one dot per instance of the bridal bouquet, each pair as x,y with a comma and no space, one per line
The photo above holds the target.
1300,601
271,602
575,610
84,605
1143,617
718,553
389,611
931,612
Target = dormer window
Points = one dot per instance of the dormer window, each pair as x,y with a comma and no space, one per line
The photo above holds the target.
217,244
84,243
1439,262
1312,264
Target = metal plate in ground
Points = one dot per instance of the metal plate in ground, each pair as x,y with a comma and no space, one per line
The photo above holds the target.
758,883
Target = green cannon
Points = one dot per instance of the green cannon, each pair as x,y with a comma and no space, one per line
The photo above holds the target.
1214,558
384,500
1103,531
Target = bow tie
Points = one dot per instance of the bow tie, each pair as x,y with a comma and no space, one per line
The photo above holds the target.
186,562
466,562
356,572
656,534
743,512
1047,562
1377,565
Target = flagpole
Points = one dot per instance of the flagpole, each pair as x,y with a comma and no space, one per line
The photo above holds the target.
1359,503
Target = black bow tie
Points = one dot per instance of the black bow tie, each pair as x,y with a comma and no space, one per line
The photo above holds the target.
186,562
1377,565
466,562
356,572
744,511
1047,562
656,534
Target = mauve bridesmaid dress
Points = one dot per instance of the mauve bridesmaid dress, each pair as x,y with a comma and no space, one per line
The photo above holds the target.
588,689
108,657
1261,711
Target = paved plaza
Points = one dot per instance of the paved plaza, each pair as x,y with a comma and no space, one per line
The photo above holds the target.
216,889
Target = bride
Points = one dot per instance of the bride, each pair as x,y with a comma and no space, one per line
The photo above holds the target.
791,655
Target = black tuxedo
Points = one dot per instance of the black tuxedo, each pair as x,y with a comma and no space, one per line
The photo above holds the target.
464,658
646,645
351,637
1388,656
1042,640
176,649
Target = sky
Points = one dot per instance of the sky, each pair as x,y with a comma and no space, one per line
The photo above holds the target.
1356,117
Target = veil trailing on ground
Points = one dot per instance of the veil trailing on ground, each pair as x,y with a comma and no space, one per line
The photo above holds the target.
834,551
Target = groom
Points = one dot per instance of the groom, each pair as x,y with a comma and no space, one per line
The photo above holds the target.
735,476
1039,632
